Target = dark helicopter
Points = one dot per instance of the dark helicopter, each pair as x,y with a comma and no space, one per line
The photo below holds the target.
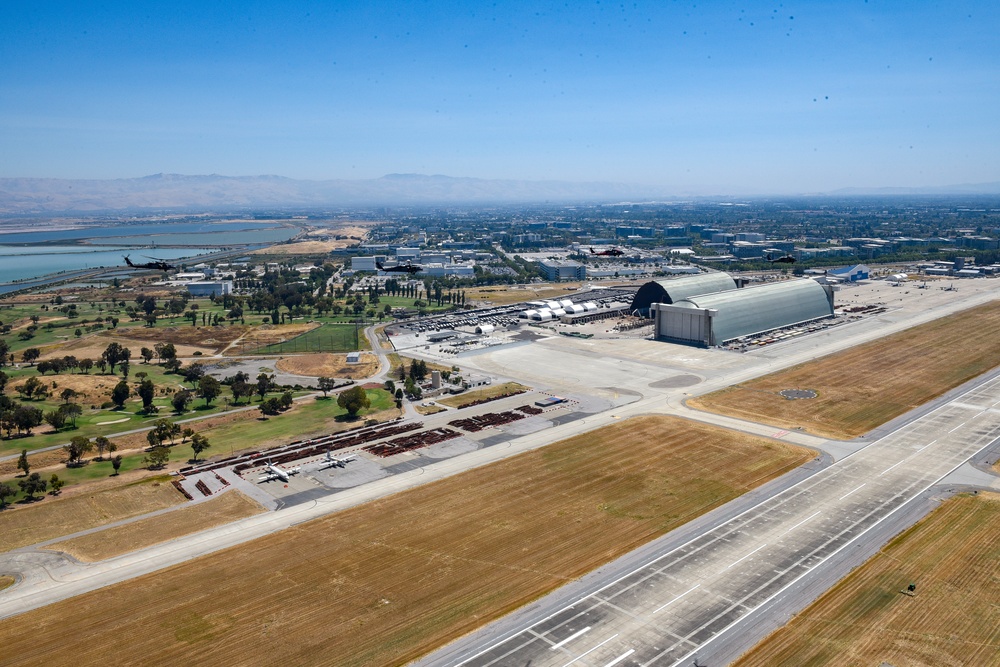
784,259
400,268
156,264
613,252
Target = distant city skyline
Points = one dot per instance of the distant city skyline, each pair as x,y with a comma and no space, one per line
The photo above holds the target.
716,98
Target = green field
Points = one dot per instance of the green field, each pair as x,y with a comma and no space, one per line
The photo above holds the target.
327,338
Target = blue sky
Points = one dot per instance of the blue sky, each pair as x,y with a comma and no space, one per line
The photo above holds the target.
694,97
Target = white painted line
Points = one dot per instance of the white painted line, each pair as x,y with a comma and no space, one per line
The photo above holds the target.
850,492
906,459
677,598
800,523
957,427
620,658
570,638
582,655
744,558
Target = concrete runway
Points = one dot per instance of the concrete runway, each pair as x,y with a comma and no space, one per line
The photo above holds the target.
669,608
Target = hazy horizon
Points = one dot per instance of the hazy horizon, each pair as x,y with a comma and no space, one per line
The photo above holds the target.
777,99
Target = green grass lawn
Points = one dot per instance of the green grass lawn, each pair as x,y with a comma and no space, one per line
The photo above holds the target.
326,338
311,417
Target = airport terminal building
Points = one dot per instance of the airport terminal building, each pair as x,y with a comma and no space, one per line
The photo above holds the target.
712,319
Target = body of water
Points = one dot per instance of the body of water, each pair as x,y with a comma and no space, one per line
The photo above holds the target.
144,230
23,263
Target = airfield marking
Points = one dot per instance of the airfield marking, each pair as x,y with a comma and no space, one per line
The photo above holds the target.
620,658
908,457
582,655
569,639
677,598
800,523
745,557
851,491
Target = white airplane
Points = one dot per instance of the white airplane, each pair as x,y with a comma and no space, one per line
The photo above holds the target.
332,461
276,472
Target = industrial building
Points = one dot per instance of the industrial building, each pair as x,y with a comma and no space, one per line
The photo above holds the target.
713,319
556,270
850,274
217,288
672,290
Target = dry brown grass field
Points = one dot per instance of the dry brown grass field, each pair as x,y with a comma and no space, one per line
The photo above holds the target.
954,619
470,397
228,507
61,516
385,582
91,347
6,582
428,409
870,384
329,365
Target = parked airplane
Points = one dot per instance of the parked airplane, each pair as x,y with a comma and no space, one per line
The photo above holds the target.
400,268
332,461
613,252
277,472
156,264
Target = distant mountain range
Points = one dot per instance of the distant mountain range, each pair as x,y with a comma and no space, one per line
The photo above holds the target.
19,196
174,191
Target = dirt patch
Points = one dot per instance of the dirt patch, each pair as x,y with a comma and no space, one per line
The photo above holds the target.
92,389
329,365
487,393
61,516
951,556
6,582
388,581
268,334
305,247
230,506
210,340
860,388
91,347
428,409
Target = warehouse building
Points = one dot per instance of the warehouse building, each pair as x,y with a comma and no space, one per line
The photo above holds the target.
714,319
556,270
672,290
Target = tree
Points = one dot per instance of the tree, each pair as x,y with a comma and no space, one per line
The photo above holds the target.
3,379
55,419
186,433
180,400
22,462
146,354
172,365
25,418
55,484
354,400
146,391
286,400
31,388
115,354
270,406
265,383
165,351
4,352
86,365
209,388
240,388
157,457
67,394
120,394
326,385
199,443
32,485
77,448
6,491
194,373
102,444
29,355
70,411
116,463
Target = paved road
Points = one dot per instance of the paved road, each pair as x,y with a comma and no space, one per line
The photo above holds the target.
673,605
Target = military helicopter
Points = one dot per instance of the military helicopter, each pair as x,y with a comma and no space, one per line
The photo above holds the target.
156,264
613,252
784,259
400,268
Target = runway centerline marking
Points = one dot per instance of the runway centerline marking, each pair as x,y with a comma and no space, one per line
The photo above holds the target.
906,459
677,598
850,492
570,638
744,558
957,427
800,523
620,658
583,655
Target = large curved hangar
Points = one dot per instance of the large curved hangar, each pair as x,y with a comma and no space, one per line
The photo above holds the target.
714,319
672,290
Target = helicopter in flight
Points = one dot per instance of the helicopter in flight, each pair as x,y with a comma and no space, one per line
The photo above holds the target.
613,252
156,264
400,268
784,259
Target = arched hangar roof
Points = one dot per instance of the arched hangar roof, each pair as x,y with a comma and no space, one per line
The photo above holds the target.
672,290
756,309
